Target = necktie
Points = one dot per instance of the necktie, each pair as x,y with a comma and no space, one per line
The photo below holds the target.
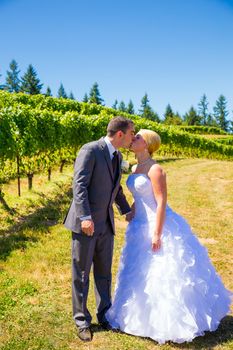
115,164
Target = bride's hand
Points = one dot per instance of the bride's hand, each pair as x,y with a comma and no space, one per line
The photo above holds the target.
156,242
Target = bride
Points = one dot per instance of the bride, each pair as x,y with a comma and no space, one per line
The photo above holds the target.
167,289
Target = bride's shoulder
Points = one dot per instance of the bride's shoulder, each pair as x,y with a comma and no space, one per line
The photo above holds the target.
156,171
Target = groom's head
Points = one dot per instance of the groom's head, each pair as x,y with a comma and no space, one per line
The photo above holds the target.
121,132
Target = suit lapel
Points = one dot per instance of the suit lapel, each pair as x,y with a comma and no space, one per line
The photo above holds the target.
119,167
105,150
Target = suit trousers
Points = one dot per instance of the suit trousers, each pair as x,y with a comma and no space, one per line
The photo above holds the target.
96,250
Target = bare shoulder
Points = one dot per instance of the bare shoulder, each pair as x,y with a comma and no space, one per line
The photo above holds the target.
156,171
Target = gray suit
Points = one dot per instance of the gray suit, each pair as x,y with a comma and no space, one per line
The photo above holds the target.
94,193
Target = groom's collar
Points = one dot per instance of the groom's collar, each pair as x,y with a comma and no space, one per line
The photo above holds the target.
111,148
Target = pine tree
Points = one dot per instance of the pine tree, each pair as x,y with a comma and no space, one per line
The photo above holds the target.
231,127
30,82
171,118
144,103
168,115
71,96
211,120
12,78
85,98
130,108
122,106
61,92
151,115
48,92
177,120
192,118
203,109
114,106
94,96
1,85
221,113
146,111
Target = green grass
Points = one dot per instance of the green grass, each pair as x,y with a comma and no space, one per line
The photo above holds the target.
35,293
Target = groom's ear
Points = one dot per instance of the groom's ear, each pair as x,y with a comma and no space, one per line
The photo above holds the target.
119,133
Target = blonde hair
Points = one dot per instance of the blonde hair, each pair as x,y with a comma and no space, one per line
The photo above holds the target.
152,139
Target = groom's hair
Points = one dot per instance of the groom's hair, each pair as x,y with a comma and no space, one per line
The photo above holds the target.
118,123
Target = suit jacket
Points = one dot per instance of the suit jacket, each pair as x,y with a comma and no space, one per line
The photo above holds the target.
94,191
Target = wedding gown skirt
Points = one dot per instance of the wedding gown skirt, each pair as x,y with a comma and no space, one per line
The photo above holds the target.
173,294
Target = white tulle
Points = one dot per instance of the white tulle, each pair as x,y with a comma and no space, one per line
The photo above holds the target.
174,294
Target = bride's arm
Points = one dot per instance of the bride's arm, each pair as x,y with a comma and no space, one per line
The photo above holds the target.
158,181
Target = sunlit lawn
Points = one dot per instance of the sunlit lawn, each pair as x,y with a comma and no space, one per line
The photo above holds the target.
35,295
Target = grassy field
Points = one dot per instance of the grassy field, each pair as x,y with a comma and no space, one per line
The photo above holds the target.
35,296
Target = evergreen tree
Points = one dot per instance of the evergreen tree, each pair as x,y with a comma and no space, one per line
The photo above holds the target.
192,118
150,114
172,118
61,92
30,83
85,98
130,108
146,111
94,96
114,106
203,109
211,120
231,127
122,106
1,85
48,92
71,96
12,78
168,115
221,113
144,104
177,120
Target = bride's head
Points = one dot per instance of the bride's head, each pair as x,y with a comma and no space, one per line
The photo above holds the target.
146,140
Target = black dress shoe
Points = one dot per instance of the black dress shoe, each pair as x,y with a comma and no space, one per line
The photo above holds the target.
85,334
105,325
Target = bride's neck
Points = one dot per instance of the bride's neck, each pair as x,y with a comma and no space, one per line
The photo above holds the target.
142,157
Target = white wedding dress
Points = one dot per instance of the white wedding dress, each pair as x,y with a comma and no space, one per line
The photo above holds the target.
173,294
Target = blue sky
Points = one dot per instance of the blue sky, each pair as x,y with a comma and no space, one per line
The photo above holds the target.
175,50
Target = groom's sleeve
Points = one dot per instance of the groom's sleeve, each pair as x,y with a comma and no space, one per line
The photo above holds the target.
83,170
121,202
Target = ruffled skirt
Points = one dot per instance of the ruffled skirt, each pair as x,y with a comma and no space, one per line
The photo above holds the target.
174,294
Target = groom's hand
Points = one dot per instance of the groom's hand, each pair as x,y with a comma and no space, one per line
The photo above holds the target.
87,227
129,216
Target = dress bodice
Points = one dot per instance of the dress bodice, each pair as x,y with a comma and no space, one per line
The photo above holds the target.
145,203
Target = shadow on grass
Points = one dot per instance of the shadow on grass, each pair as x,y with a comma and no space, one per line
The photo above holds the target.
96,328
11,211
167,160
210,340
48,214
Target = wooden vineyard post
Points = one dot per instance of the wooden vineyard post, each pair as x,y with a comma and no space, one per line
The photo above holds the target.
18,177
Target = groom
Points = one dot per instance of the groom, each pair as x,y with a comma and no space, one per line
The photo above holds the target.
96,186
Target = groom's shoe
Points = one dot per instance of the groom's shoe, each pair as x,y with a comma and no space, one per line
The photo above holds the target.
85,334
106,326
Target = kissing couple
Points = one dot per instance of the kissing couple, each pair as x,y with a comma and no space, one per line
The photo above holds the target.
167,288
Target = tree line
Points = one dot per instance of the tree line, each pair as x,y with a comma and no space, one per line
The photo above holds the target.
30,83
